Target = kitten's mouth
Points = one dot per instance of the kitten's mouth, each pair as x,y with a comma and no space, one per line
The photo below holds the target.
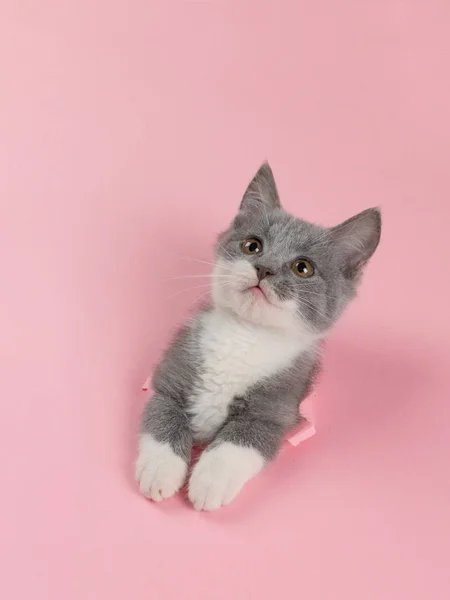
258,292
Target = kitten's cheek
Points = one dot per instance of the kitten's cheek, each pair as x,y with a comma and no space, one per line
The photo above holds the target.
222,296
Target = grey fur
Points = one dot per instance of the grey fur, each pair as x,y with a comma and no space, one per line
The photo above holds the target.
268,410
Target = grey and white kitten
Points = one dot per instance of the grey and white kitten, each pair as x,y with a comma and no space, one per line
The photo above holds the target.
235,375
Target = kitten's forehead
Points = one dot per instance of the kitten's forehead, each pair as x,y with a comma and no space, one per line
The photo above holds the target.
294,231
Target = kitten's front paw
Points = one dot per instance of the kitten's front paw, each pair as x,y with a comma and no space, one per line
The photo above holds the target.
221,473
159,471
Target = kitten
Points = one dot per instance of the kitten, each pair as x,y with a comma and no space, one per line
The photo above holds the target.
235,374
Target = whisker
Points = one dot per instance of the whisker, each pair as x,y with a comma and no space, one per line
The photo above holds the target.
195,287
227,281
225,250
210,275
205,262
316,309
198,298
302,315
203,295
311,293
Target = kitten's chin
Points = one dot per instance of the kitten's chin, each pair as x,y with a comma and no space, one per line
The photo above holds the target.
253,305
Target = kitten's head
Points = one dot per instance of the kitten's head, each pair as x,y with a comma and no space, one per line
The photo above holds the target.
276,270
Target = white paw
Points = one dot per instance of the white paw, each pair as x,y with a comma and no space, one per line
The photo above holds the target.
221,473
159,471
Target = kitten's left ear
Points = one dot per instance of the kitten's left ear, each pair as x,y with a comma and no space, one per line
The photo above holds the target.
262,190
357,239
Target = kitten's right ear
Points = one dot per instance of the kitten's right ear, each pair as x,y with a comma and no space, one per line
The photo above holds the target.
356,240
262,190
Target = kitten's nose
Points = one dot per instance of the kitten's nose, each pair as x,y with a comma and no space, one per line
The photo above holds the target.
262,272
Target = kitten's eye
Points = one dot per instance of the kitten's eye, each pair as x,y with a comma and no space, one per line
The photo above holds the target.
252,246
302,268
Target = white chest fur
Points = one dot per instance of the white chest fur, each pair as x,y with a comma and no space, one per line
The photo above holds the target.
235,356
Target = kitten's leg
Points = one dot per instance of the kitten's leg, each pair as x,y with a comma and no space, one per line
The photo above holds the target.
165,445
239,452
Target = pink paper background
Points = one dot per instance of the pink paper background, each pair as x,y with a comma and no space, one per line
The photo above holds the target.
128,131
